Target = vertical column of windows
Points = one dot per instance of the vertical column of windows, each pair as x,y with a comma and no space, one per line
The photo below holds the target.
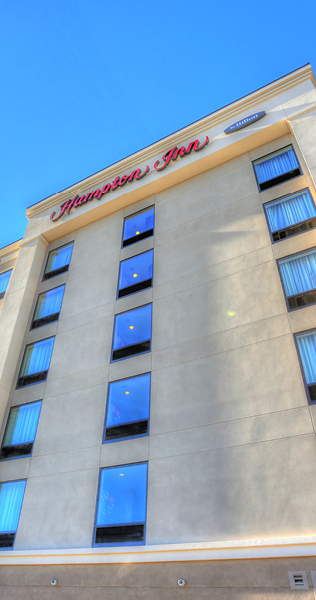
122,496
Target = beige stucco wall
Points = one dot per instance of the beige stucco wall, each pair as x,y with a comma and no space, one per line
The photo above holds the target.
231,433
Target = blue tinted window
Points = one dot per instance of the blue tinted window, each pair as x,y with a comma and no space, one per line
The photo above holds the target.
37,357
299,273
122,495
4,280
136,269
276,164
138,224
49,303
11,498
59,258
128,400
307,348
132,327
289,210
22,424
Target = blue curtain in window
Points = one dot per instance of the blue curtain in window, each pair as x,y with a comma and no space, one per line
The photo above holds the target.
276,165
37,357
290,210
128,400
49,303
299,274
59,258
136,269
307,349
4,280
22,424
11,498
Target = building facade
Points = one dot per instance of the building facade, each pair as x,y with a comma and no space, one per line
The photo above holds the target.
158,368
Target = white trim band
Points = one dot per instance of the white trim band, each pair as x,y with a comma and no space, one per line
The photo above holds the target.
231,550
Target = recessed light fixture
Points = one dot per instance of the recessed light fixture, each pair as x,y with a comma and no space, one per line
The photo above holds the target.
135,275
126,392
137,232
131,326
121,474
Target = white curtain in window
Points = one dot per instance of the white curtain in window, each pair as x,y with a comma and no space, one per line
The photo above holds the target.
22,424
307,349
49,303
59,258
290,210
276,165
299,274
11,498
37,357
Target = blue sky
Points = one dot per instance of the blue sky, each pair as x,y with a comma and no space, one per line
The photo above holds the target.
86,83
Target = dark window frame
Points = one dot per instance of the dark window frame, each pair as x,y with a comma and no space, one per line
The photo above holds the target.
279,182
131,437
60,270
306,385
288,298
144,523
132,286
142,236
48,316
296,225
40,373
5,533
6,458
132,345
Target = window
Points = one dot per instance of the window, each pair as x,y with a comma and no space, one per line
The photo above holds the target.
11,498
299,278
121,508
306,344
276,167
48,307
138,226
21,430
132,332
36,362
58,261
290,215
4,280
128,408
136,274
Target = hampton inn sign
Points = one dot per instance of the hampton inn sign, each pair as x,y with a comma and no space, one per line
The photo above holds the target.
119,182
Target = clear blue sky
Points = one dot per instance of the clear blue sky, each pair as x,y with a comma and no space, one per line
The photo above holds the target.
85,83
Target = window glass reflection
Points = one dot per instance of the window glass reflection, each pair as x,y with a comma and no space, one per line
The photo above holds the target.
132,327
128,400
138,226
136,270
122,495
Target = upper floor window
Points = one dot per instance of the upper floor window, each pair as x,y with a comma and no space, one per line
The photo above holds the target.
290,215
21,430
127,412
4,280
299,278
58,261
35,363
136,274
138,226
11,498
121,508
306,343
48,307
132,332
276,167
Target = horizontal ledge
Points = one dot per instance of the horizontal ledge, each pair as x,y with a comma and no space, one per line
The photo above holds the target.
230,550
